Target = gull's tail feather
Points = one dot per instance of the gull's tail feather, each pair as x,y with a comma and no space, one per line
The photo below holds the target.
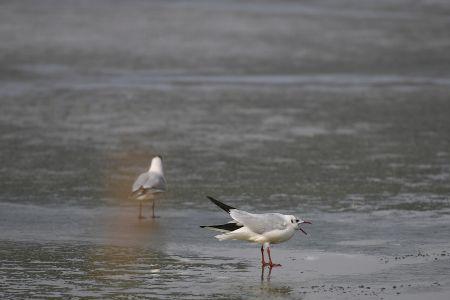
137,193
223,206
223,227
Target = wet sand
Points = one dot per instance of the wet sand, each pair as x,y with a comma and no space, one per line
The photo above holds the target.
336,112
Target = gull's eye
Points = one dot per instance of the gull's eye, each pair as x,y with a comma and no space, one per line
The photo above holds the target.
297,221
292,221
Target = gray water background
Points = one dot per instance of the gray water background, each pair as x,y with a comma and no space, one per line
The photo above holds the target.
335,111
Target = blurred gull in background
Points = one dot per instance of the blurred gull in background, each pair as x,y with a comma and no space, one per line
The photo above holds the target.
149,185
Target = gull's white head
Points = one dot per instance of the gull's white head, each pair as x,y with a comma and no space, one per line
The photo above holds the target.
295,222
156,165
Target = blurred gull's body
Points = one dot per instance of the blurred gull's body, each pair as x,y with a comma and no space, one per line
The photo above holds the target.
149,185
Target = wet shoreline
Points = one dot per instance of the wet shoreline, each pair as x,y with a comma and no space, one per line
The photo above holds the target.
336,112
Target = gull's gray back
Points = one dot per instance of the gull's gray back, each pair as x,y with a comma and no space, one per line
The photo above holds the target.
150,180
259,223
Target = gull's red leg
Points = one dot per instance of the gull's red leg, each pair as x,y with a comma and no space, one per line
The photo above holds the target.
140,211
263,262
271,264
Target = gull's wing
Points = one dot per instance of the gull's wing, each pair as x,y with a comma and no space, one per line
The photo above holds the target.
223,206
140,181
150,180
259,223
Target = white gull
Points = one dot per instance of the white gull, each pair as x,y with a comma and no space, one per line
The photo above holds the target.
149,185
264,229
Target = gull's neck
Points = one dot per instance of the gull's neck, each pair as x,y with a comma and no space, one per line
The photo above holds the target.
156,166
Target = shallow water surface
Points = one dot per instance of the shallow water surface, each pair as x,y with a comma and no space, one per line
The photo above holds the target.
315,109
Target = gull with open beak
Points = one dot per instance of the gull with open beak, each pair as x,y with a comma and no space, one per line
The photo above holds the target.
264,229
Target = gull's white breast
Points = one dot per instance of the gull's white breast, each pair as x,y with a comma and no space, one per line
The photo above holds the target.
245,234
278,236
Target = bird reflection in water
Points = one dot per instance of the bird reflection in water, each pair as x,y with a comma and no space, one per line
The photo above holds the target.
263,269
270,289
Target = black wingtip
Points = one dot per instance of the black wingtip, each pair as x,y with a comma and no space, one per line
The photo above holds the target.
220,204
224,227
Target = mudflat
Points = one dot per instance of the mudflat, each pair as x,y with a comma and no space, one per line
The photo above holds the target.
334,111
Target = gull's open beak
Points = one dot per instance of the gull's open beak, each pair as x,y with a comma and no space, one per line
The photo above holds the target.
304,222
